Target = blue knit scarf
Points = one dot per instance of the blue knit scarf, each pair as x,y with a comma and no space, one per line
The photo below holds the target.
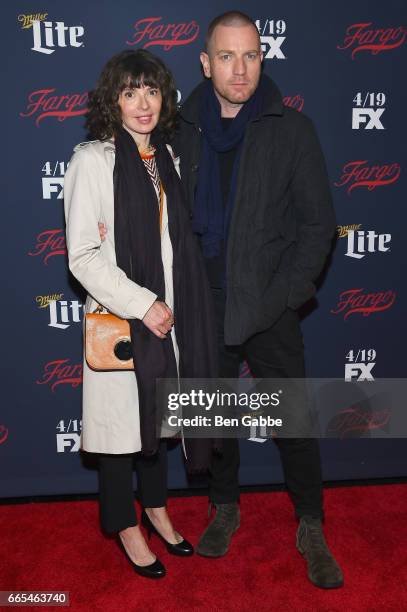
211,218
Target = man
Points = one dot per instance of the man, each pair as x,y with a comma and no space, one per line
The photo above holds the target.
255,178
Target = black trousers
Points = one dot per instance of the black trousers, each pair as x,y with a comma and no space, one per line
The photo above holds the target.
116,492
277,352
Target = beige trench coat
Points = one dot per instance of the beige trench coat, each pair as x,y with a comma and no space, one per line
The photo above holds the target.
110,415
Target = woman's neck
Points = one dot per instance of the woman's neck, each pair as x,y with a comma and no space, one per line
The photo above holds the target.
141,140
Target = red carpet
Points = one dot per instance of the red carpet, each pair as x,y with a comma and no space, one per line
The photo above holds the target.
58,546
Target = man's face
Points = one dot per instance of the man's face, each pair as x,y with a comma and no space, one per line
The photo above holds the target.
233,62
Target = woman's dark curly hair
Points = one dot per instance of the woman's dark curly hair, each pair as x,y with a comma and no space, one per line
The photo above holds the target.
130,69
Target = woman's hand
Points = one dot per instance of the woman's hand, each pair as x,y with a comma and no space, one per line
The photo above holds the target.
159,319
102,231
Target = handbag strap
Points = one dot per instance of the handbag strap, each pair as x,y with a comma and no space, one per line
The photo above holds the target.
99,309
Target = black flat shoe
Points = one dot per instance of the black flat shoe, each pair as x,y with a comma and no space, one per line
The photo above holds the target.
154,570
182,549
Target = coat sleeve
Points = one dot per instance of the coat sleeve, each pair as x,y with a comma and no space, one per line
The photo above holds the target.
103,279
315,217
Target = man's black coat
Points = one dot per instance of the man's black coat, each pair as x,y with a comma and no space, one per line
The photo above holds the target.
282,221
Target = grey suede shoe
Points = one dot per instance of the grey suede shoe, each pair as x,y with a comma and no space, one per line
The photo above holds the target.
323,570
215,540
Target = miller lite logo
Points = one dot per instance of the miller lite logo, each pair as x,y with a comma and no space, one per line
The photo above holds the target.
62,313
61,372
271,38
50,34
361,242
361,37
343,230
27,20
48,244
44,300
355,301
150,31
361,174
42,104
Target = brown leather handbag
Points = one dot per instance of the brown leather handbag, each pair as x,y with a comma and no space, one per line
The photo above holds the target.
107,341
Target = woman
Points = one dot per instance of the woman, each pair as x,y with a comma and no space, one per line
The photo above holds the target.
148,270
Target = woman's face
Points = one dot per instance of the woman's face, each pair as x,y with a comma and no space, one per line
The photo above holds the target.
140,109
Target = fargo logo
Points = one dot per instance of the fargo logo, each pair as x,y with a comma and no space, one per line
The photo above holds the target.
355,301
41,104
150,32
361,174
50,34
358,419
296,102
360,37
61,372
3,433
49,243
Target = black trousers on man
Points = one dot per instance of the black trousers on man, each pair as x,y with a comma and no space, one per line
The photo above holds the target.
277,352
116,492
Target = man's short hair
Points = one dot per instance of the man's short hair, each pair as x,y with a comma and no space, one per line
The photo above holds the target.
230,18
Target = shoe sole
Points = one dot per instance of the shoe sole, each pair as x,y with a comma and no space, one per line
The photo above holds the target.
333,585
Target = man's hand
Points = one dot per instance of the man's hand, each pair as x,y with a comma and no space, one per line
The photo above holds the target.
159,319
102,231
